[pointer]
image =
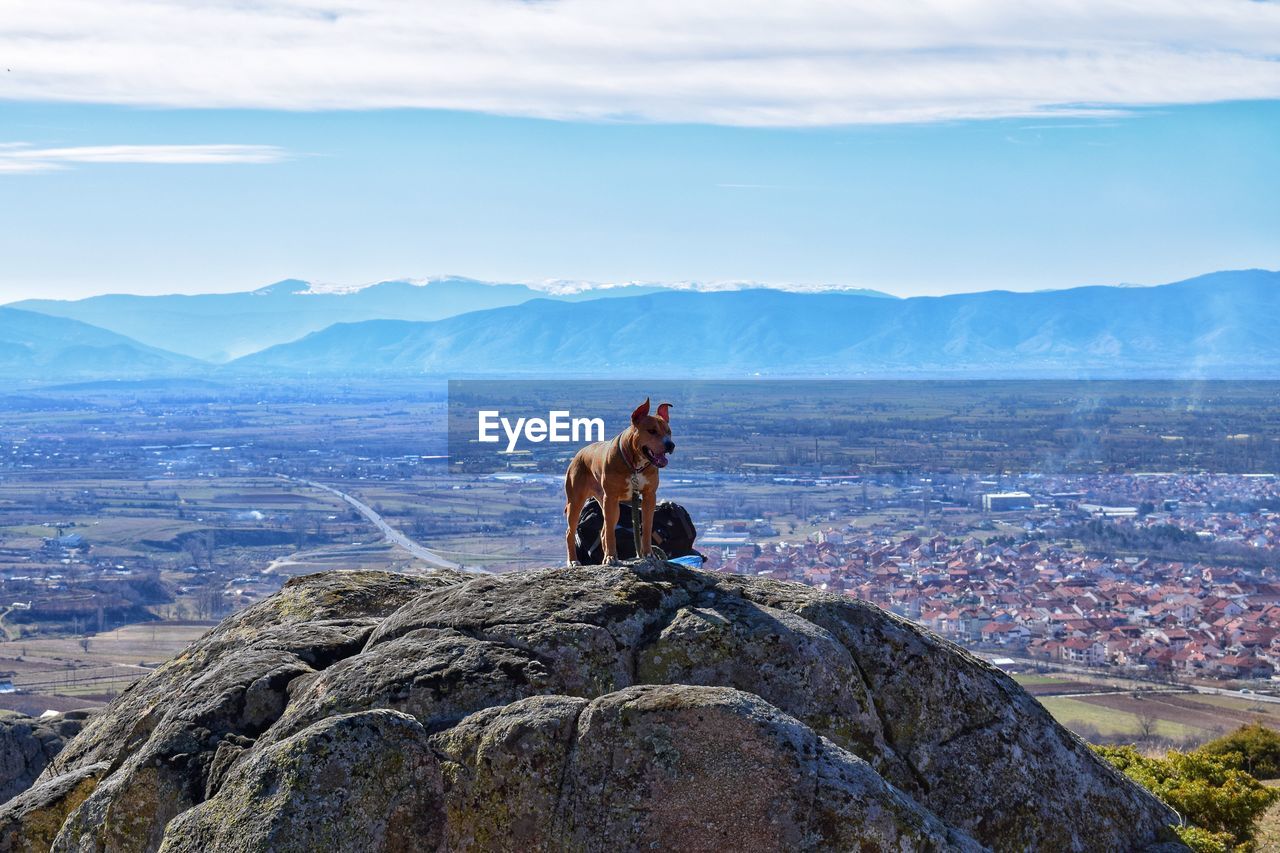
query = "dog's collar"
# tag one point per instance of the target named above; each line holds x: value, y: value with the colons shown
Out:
x: 627, y: 459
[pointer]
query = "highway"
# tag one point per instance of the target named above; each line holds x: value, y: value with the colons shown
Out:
x: 389, y: 533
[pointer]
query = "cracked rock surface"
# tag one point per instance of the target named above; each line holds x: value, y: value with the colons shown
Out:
x: 29, y: 744
x: 640, y: 706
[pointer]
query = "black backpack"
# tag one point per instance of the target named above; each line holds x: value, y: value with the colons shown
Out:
x: 673, y: 532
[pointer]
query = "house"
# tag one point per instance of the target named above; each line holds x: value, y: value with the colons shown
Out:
x: 1083, y: 651
x: 1005, y: 634
x: 1241, y: 666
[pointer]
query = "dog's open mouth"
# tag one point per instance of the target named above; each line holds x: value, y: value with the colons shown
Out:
x: 658, y: 458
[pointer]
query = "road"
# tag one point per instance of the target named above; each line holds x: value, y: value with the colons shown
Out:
x: 1219, y: 691
x: 389, y: 533
x: 1152, y: 692
x: 1100, y: 672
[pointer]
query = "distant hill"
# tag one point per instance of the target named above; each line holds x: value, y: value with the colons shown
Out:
x: 219, y: 327
x: 39, y: 347
x: 1218, y: 325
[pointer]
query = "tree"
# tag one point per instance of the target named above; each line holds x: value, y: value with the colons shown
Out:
x: 299, y: 531
x: 1257, y: 744
x: 1214, y: 793
x: 1147, y: 721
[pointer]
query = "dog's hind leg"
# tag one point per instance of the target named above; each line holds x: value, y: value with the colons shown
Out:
x: 572, y: 513
x: 647, y: 508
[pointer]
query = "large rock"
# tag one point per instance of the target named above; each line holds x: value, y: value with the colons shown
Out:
x: 658, y: 766
x: 32, y: 820
x: 171, y: 735
x: 590, y: 708
x: 366, y: 781
x: 29, y: 744
x: 713, y: 768
x: 984, y: 754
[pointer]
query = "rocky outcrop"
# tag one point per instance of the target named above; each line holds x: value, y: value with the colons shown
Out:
x: 581, y: 709
x: 662, y: 766
x: 366, y: 781
x: 28, y: 744
x: 32, y: 820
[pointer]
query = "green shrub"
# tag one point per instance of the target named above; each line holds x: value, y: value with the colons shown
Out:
x: 1259, y: 745
x: 1212, y: 792
x: 1204, y: 841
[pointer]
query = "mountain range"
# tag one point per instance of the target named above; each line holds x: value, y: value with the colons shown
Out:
x: 1219, y: 325
x: 219, y: 327
x: 39, y: 346
x: 1216, y: 325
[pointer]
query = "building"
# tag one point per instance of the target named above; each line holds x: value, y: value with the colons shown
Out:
x: 1100, y: 511
x: 1005, y: 501
x: 1083, y: 651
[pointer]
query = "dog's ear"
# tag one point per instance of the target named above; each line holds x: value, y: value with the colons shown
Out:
x: 642, y: 411
x: 664, y: 411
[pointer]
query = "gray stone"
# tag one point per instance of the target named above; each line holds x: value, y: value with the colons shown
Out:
x: 984, y: 754
x: 712, y: 768
x: 504, y: 772
x: 30, y: 821
x: 356, y: 782
x: 164, y: 736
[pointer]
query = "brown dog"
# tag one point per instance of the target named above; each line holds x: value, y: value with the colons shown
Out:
x: 613, y: 471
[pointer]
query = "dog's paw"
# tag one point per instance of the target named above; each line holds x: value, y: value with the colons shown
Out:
x: 572, y: 564
x: 611, y: 561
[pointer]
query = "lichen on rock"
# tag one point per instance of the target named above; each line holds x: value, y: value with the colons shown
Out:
x: 364, y: 781
x: 31, y: 821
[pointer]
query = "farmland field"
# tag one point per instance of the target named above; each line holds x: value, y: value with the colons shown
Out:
x: 61, y: 673
x: 1086, y: 719
x: 1183, y: 717
x: 1058, y: 685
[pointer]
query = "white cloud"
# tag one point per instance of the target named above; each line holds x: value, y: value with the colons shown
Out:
x: 748, y: 62
x: 20, y: 157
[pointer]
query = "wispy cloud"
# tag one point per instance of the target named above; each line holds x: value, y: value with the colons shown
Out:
x: 746, y: 62
x: 20, y: 157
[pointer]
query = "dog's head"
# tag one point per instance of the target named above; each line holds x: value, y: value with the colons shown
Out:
x: 652, y: 433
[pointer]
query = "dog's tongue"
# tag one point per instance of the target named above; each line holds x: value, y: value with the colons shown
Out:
x: 660, y: 459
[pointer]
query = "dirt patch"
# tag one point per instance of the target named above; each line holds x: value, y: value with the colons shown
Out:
x: 35, y: 704
x: 1064, y: 688
x: 1178, y: 709
x: 255, y: 499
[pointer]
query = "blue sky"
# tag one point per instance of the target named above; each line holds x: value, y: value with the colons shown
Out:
x: 112, y: 181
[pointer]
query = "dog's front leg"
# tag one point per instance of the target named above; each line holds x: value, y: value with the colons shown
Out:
x: 610, y: 529
x: 650, y: 500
